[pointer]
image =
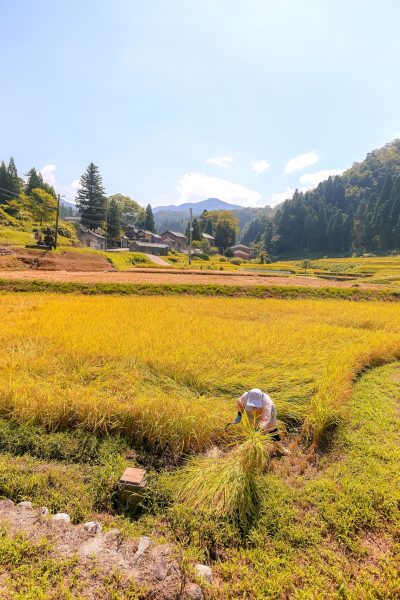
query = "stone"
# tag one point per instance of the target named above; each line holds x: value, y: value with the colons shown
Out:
x: 203, y: 571
x: 25, y: 504
x: 112, y: 534
x: 63, y: 517
x: 6, y: 503
x: 144, y: 543
x: 44, y: 511
x: 160, y: 568
x: 93, y: 527
x: 192, y: 591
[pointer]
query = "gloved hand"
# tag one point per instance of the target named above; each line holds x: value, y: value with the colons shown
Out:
x: 238, y: 418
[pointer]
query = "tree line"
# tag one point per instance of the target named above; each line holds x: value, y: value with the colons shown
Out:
x: 34, y: 200
x: 349, y: 214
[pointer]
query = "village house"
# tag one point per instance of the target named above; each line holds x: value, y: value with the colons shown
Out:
x: 174, y: 240
x: 241, y: 251
x: 91, y: 239
x: 149, y: 248
x: 142, y: 235
x: 209, y: 238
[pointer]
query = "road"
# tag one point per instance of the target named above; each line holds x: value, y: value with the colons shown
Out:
x: 157, y: 260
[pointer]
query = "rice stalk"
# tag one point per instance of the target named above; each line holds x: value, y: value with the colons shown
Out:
x: 227, y: 485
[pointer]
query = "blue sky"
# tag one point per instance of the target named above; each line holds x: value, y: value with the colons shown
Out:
x: 179, y: 100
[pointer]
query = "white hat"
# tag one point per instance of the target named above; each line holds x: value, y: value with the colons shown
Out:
x: 255, y: 398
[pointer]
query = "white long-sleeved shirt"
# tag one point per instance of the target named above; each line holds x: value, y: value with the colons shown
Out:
x: 264, y: 416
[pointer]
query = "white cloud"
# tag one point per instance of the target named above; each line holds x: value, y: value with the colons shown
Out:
x: 67, y: 191
x: 194, y: 187
x: 308, y: 181
x: 48, y: 174
x: 311, y: 180
x: 278, y: 197
x: 259, y: 166
x: 224, y: 162
x: 301, y: 162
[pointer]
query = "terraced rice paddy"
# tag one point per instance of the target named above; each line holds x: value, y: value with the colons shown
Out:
x: 82, y: 378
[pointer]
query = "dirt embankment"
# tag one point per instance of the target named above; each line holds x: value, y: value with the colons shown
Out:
x: 149, y: 565
x: 155, y: 276
x: 19, y: 259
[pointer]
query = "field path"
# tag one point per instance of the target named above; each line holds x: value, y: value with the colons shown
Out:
x: 157, y: 260
x: 158, y: 276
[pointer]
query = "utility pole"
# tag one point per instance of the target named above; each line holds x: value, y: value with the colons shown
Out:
x: 57, y: 219
x: 105, y: 229
x: 190, y: 236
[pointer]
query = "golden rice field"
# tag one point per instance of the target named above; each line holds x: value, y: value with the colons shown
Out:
x: 166, y: 371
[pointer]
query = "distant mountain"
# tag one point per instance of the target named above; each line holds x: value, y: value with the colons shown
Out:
x: 68, y: 209
x: 68, y: 204
x: 199, y: 207
x: 177, y: 220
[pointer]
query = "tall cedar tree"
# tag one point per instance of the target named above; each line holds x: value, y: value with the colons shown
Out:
x: 149, y: 221
x: 14, y: 180
x: 114, y: 223
x: 5, y: 190
x: 10, y: 183
x: 196, y: 233
x: 35, y: 181
x: 209, y: 227
x: 91, y: 199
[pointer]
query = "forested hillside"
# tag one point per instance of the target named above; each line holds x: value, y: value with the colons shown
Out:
x: 354, y: 212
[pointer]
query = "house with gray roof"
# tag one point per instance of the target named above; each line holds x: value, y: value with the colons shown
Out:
x: 175, y: 240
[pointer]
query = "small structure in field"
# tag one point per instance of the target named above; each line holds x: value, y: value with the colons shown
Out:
x: 90, y: 238
x: 130, y: 486
x: 241, y: 251
x: 174, y: 240
x: 149, y: 248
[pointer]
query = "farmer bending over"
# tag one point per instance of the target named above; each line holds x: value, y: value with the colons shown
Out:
x: 261, y: 411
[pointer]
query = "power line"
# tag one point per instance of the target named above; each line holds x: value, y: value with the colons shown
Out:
x: 3, y: 190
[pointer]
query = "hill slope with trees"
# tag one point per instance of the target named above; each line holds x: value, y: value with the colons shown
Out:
x: 356, y: 212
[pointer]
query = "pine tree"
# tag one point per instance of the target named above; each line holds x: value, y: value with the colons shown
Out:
x: 91, y: 198
x: 149, y: 221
